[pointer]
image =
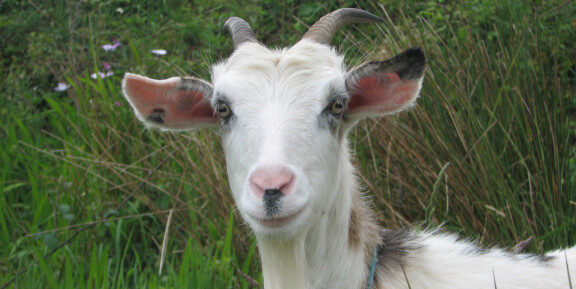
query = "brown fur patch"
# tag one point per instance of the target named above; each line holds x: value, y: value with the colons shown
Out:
x: 363, y: 232
x: 354, y: 230
x: 396, y: 246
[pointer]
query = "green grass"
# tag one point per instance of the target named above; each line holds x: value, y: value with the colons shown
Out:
x: 85, y: 190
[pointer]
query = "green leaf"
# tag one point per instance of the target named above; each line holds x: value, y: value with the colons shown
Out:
x: 12, y: 187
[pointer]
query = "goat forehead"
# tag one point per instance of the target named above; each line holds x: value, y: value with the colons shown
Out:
x: 305, y: 55
x: 255, y: 73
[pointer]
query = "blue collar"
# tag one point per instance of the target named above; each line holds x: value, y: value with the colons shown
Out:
x: 372, y: 269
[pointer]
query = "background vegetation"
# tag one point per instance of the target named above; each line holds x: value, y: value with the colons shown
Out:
x: 86, y: 191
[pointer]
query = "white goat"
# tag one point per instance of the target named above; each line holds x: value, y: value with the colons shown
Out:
x: 284, y: 116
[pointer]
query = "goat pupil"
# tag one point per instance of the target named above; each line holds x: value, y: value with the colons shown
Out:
x: 337, y: 106
x: 223, y: 110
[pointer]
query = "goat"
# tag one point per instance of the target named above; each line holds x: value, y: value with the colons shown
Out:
x: 284, y: 115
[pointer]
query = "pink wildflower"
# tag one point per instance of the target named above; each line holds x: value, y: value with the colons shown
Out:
x: 111, y: 47
x: 61, y: 86
x: 102, y: 75
x: 159, y: 51
x: 106, y: 65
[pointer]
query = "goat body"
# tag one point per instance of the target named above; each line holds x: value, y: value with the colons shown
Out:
x: 284, y: 116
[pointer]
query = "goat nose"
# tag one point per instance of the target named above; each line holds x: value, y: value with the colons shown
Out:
x: 272, y: 181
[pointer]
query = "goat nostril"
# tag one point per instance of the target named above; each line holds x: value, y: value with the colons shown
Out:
x: 271, y: 201
x: 272, y: 193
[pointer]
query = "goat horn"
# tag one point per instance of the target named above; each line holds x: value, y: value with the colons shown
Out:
x: 240, y: 31
x: 323, y: 31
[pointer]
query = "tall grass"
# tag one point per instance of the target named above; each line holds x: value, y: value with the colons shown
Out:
x: 85, y: 190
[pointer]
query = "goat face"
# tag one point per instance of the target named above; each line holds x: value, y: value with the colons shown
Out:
x: 283, y: 116
x: 282, y: 123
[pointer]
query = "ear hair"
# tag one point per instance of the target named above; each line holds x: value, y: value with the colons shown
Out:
x: 385, y: 87
x: 170, y: 104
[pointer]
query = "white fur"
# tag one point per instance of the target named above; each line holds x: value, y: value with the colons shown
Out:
x: 445, y: 262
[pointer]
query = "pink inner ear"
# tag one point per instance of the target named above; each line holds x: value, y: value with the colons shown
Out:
x: 164, y: 103
x: 384, y: 93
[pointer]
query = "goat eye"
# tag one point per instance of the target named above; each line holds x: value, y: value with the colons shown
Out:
x: 223, y: 110
x: 338, y: 106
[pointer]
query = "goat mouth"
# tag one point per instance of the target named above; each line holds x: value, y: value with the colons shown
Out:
x: 278, y: 221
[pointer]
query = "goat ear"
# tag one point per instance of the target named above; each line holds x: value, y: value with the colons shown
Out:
x: 175, y: 103
x: 385, y: 87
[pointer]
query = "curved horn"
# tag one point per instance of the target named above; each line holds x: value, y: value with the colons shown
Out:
x: 323, y: 31
x: 240, y: 31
